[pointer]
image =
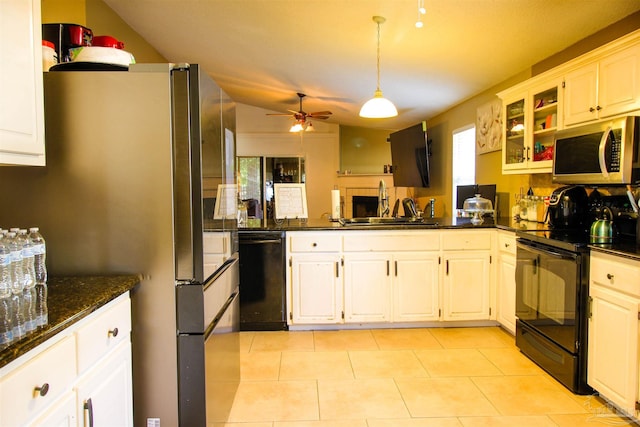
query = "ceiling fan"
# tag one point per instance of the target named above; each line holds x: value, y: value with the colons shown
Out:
x: 302, y: 118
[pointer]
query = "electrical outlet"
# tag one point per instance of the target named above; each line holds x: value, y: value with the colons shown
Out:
x: 153, y: 422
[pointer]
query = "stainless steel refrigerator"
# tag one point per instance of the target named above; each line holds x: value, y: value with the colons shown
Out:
x: 133, y: 157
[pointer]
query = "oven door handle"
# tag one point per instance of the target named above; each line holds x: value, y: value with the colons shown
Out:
x: 547, y: 252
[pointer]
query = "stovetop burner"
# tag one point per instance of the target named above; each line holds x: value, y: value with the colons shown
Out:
x: 567, y: 239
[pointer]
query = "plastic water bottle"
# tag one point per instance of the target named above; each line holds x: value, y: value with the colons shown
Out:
x: 5, y: 268
x: 6, y: 322
x: 29, y: 309
x: 17, y: 267
x: 42, y: 312
x: 18, y: 317
x: 39, y: 250
x: 27, y: 260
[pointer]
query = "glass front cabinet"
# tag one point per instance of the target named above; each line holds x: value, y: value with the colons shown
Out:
x: 531, y: 119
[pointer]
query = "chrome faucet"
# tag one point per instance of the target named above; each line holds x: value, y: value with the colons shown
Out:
x: 383, y: 200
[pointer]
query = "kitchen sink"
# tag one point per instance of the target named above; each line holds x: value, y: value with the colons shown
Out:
x: 374, y: 220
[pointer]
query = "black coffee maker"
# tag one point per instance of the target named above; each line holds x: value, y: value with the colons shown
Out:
x: 568, y: 208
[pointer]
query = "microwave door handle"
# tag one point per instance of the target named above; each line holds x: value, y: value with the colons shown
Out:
x: 601, y: 149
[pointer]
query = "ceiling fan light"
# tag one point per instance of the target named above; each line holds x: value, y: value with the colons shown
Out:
x: 419, y: 24
x: 297, y: 127
x: 310, y: 128
x: 378, y: 107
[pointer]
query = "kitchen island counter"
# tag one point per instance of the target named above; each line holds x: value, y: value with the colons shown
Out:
x: 69, y: 300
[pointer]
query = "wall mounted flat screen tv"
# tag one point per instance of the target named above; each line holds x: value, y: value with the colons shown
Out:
x: 410, y: 150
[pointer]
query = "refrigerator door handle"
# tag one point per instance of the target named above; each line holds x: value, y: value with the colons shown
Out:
x: 187, y: 181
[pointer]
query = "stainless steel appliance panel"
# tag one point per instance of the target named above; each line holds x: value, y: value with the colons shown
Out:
x: 208, y: 347
x: 605, y: 152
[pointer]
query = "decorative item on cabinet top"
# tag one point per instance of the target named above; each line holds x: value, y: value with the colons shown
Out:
x: 489, y: 127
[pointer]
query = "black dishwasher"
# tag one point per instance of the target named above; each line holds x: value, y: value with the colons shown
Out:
x: 262, y: 280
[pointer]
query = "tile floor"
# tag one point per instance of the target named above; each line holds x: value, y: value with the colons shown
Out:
x: 440, y: 377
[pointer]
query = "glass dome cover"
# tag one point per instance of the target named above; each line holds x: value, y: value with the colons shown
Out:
x: 478, y: 206
x: 477, y: 203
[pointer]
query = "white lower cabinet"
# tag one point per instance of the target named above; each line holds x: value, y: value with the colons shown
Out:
x: 390, y: 276
x: 104, y: 393
x: 506, y: 286
x: 316, y: 288
x: 415, y: 286
x: 49, y: 385
x: 612, y: 367
x: 466, y: 286
x: 61, y: 414
x: 33, y: 389
x: 367, y: 287
x: 466, y: 290
x: 391, y: 287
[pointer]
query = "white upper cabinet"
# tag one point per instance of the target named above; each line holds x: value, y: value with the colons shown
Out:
x: 531, y: 120
x: 22, y: 101
x: 607, y: 87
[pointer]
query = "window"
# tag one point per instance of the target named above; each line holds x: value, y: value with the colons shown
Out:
x: 464, y: 160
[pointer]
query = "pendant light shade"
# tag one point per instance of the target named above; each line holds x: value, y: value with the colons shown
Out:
x: 378, y: 107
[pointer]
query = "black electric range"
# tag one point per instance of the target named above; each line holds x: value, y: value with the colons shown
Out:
x: 552, y: 290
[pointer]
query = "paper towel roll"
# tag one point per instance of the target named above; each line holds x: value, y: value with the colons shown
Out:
x: 335, y: 204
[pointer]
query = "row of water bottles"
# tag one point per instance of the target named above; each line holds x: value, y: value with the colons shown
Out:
x: 23, y: 283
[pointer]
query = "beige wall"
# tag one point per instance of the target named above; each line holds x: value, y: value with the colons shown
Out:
x: 364, y: 150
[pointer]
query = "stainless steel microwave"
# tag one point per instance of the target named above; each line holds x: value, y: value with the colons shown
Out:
x: 605, y: 152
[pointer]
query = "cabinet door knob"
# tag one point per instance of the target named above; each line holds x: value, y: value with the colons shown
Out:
x: 42, y: 390
x: 591, y: 109
x: 314, y: 244
x: 113, y: 332
x: 598, y: 108
x: 609, y: 276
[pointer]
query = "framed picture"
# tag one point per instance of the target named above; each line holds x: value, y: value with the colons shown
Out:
x: 226, y: 201
x: 489, y: 127
x: 291, y: 201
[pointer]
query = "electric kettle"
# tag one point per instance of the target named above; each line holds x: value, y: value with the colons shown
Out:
x: 603, y: 229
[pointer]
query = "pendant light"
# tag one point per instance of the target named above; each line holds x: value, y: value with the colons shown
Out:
x: 378, y: 107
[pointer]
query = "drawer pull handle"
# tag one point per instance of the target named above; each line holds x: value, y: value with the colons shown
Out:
x: 609, y: 276
x: 88, y: 407
x: 42, y: 390
x: 113, y: 332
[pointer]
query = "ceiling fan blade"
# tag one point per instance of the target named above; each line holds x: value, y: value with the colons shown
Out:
x: 320, y: 113
x: 318, y: 117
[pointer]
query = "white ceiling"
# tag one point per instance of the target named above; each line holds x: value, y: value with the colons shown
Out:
x: 264, y: 51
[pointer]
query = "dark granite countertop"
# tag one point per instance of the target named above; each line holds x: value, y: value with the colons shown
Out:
x: 428, y: 224
x: 627, y: 249
x: 622, y: 248
x: 69, y: 300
